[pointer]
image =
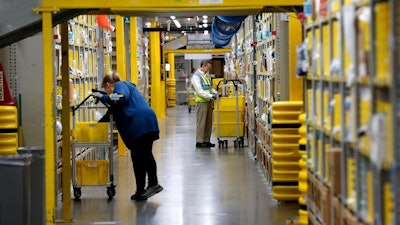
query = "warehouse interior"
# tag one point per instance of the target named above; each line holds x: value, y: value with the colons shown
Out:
x: 306, y: 126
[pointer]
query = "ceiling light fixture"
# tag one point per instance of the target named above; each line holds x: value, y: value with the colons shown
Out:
x: 205, y: 21
x: 173, y: 17
x: 177, y: 23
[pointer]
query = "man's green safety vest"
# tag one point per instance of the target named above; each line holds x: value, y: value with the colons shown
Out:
x: 205, y: 82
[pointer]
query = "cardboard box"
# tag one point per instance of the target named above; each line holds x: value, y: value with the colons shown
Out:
x: 337, y: 210
x: 334, y: 169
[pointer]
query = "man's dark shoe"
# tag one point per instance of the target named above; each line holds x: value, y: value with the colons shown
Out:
x: 209, y: 144
x: 201, y: 145
x: 140, y: 196
x: 153, y: 190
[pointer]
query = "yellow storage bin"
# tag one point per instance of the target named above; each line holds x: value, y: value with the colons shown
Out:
x: 91, y: 132
x: 284, y: 176
x: 8, y: 117
x: 228, y: 129
x: 229, y: 116
x: 191, y: 101
x: 285, y: 131
x: 229, y: 103
x: 303, y: 217
x: 92, y: 172
x: 8, y: 143
x: 287, y: 105
x: 286, y: 193
x: 282, y: 138
x: 215, y: 82
x: 286, y: 115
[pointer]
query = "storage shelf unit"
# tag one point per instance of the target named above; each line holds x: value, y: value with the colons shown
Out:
x: 89, y: 57
x: 260, y: 58
x: 352, y: 104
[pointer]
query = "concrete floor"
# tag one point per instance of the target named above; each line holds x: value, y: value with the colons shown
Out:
x: 208, y: 186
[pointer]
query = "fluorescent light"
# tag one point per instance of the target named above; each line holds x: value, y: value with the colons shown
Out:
x: 205, y: 17
x: 205, y: 32
x: 205, y: 21
x: 177, y: 23
x: 173, y: 17
x: 205, y: 25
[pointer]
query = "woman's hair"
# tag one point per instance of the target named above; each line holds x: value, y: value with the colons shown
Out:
x: 113, y: 78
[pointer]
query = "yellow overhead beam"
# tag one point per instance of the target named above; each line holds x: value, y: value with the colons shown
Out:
x: 222, y: 7
x: 198, y: 51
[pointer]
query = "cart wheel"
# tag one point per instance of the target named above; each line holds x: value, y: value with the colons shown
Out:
x: 235, y: 143
x: 221, y: 143
x: 77, y: 193
x: 110, y: 192
x: 226, y: 143
x: 190, y: 109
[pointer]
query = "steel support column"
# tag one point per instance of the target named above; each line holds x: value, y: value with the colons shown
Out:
x: 155, y: 74
x: 121, y: 66
x: 49, y: 116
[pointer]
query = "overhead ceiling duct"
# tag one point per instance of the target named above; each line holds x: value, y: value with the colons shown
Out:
x: 223, y: 29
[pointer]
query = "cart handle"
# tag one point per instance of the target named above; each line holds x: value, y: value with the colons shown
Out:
x: 234, y: 82
x: 74, y: 108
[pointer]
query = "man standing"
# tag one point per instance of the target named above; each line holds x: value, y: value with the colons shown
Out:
x: 203, y: 96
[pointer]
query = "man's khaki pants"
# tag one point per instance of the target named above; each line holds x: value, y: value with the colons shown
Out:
x: 204, y: 112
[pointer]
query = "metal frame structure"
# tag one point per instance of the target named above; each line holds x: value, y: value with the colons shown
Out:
x: 54, y: 12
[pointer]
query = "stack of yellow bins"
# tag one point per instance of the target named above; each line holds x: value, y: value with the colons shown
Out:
x: 284, y: 147
x: 303, y: 215
x: 9, y: 130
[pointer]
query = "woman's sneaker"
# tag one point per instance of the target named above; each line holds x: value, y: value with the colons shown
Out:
x: 140, y: 196
x: 153, y: 190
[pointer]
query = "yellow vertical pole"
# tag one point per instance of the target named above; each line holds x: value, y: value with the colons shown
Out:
x: 155, y: 73
x: 49, y: 116
x: 163, y: 86
x: 66, y: 145
x: 121, y: 66
x: 163, y: 99
x: 171, y: 61
x: 295, y: 38
x: 133, y: 52
x: 171, y: 79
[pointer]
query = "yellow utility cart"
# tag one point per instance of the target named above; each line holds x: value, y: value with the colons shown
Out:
x: 92, y: 150
x: 229, y: 113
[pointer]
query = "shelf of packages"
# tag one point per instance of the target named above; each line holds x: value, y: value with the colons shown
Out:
x: 319, y: 22
x: 326, y: 78
x: 75, y: 77
x: 379, y: 82
x: 263, y: 134
x: 365, y: 150
x: 266, y: 100
x: 364, y: 80
x: 85, y: 19
x: 92, y: 47
x: 322, y: 129
x: 266, y: 42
